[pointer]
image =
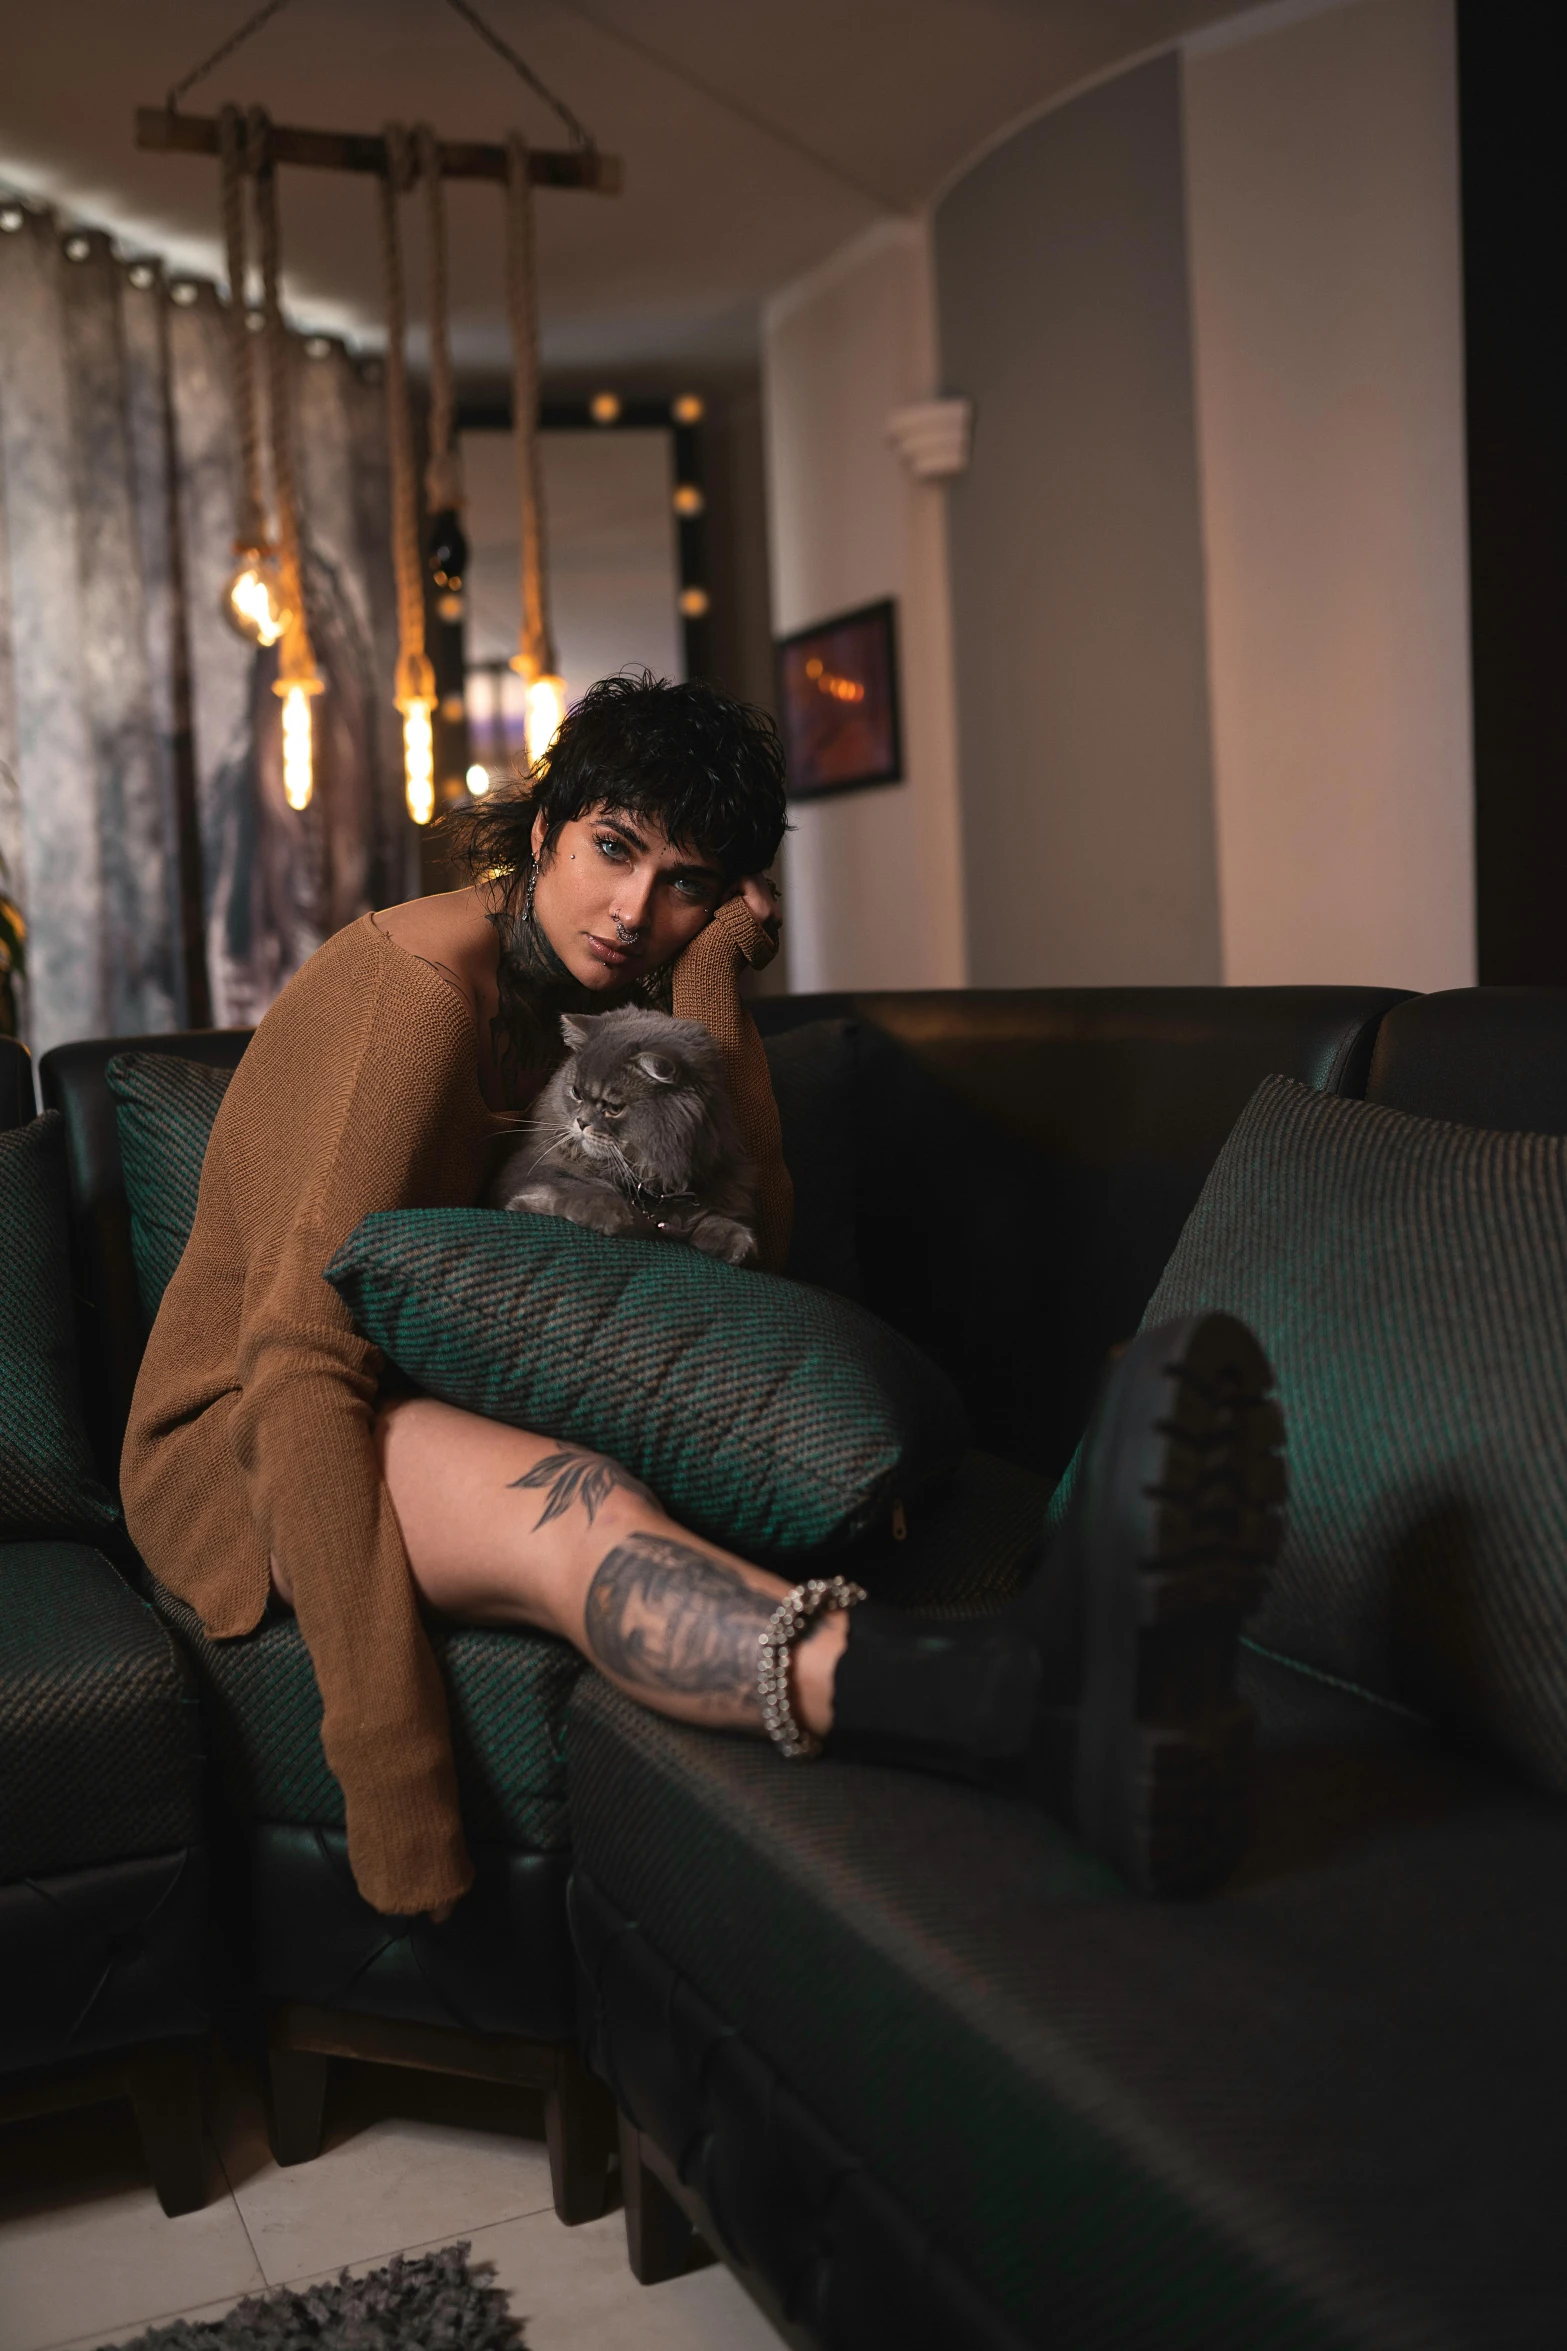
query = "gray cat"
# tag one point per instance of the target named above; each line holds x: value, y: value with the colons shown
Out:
x: 635, y: 1133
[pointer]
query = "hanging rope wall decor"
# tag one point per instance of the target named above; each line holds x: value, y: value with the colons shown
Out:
x: 265, y: 598
x: 534, y: 659
x: 446, y: 547
x: 297, y: 677
x: 415, y: 678
x: 252, y: 601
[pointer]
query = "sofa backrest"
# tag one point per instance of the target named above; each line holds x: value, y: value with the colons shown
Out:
x: 1482, y: 1057
x: 16, y: 1084
x: 1026, y: 1160
x: 110, y: 1332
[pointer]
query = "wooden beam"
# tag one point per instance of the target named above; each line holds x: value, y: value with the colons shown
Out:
x: 168, y: 133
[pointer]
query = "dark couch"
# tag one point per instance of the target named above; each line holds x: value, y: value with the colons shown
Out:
x: 923, y: 2073
x: 918, y: 2069
x: 103, y: 1866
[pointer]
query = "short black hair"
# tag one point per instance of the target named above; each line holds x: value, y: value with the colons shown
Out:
x: 708, y: 769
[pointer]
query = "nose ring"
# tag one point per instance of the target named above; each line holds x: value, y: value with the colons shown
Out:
x: 625, y: 932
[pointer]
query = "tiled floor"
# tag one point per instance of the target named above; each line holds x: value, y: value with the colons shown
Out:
x: 410, y: 2162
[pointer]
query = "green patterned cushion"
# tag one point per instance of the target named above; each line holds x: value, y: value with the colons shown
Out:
x: 774, y: 1417
x: 507, y: 1692
x: 1409, y: 1281
x: 47, y: 1482
x: 164, y: 1109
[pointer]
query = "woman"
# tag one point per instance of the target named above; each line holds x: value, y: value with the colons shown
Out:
x: 260, y: 1458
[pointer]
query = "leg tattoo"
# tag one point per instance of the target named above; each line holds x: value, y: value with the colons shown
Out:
x: 665, y: 1616
x: 576, y: 1476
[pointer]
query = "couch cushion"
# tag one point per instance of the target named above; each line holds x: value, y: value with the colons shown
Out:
x: 47, y: 1481
x: 100, y: 1750
x: 1323, y: 2109
x: 762, y: 1412
x: 507, y: 1692
x: 164, y: 1109
x: 1409, y: 1281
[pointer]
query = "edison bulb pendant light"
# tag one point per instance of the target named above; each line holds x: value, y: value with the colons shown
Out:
x: 546, y: 707
x: 253, y: 602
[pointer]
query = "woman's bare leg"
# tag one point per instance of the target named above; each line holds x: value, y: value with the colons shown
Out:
x: 503, y: 1527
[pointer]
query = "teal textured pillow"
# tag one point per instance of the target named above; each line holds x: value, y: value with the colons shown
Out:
x: 773, y: 1417
x: 1408, y: 1279
x: 47, y: 1482
x: 164, y: 1109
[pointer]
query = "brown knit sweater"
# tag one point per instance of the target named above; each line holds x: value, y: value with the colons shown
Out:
x: 252, y: 1429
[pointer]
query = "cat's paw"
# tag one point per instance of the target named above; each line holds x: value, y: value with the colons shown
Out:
x: 597, y: 1212
x: 721, y: 1236
x: 532, y: 1200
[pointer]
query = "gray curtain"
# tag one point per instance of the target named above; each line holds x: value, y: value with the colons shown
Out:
x: 143, y: 825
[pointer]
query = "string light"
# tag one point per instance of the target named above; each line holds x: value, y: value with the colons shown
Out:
x: 418, y: 759
x: 478, y: 780
x: 298, y: 773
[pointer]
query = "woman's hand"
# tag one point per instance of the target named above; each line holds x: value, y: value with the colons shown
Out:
x: 763, y: 899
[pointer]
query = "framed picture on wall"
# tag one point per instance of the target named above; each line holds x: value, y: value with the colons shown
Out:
x: 838, y: 703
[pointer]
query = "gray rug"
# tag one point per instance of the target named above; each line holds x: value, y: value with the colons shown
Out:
x: 434, y: 2302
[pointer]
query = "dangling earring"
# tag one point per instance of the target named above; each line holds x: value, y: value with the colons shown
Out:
x: 527, y: 901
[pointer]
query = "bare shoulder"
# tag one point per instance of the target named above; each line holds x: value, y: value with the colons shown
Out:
x: 449, y: 932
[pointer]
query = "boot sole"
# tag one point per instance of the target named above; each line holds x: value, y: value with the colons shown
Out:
x: 1191, y: 1480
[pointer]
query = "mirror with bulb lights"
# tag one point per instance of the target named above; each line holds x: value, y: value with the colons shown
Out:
x: 625, y: 504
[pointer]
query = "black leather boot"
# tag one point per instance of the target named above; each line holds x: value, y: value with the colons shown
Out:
x: 1107, y: 1691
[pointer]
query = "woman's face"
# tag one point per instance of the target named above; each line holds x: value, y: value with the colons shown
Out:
x: 616, y: 898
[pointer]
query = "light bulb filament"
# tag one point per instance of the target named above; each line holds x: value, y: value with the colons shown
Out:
x: 546, y: 707
x: 298, y: 779
x: 418, y: 761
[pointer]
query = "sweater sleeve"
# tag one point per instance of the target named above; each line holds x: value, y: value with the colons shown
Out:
x: 706, y: 987
x: 364, y: 1132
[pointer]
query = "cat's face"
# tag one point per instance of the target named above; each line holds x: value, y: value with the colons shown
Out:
x: 634, y: 1093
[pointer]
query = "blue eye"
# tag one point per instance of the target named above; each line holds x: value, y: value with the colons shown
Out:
x: 609, y: 845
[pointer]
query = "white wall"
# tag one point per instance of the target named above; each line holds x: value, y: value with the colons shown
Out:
x: 1076, y: 551
x: 873, y: 879
x: 1323, y: 228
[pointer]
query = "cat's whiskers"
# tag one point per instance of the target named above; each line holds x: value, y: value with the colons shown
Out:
x: 559, y: 1144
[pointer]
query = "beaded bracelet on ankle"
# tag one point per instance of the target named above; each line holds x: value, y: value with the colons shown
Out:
x: 789, y: 1619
